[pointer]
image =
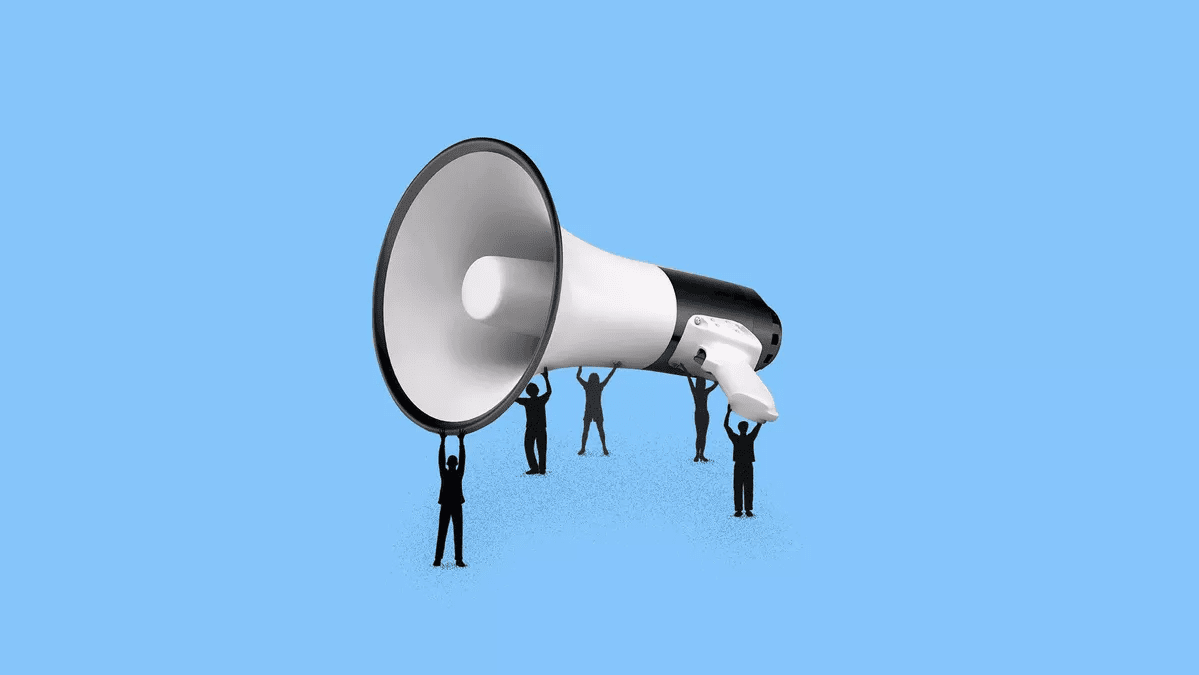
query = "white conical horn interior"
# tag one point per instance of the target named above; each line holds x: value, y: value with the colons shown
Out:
x: 451, y: 366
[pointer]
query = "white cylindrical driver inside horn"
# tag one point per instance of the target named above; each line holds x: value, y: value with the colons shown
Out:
x: 509, y: 293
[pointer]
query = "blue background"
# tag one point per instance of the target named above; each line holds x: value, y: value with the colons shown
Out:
x: 978, y: 226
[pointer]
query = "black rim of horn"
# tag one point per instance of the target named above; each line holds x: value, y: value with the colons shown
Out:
x: 446, y: 156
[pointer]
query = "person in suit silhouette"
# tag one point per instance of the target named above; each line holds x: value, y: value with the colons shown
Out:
x: 593, y: 411
x: 700, y: 393
x: 534, y: 407
x: 451, y: 499
x: 743, y: 463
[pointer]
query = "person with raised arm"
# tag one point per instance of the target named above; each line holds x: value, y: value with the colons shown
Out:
x: 593, y: 411
x: 743, y: 463
x: 535, y: 433
x: 451, y: 499
x: 700, y: 393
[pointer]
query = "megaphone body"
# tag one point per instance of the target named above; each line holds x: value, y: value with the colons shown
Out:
x: 478, y: 289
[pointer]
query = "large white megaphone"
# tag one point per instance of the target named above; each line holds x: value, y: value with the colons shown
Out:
x: 478, y: 288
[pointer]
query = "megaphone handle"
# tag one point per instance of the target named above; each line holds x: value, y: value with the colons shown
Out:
x: 746, y: 392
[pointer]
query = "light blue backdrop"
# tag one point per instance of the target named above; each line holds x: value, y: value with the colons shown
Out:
x: 977, y: 225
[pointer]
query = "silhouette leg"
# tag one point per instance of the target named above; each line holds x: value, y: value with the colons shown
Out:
x: 530, y: 435
x: 738, y: 481
x: 599, y: 424
x: 701, y: 436
x: 541, y: 439
x: 457, y: 516
x: 586, y: 424
x: 443, y: 523
x: 749, y: 488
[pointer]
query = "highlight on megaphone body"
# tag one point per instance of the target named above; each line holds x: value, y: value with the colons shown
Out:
x: 478, y: 289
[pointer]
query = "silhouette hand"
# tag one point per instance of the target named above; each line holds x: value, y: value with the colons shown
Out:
x: 443, y: 434
x: 616, y: 365
x: 461, y: 433
x: 730, y: 407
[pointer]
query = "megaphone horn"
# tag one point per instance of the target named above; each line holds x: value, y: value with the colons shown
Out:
x: 478, y: 288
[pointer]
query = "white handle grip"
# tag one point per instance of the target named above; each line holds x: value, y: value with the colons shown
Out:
x: 746, y: 392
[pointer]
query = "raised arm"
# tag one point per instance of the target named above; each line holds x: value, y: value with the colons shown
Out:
x: 687, y: 375
x: 462, y: 452
x: 548, y: 389
x: 727, y: 429
x: 441, y: 456
x: 714, y: 385
x: 579, y: 376
x: 754, y: 434
x: 614, y: 367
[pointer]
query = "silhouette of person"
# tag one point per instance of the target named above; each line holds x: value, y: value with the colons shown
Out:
x: 700, y: 393
x: 743, y: 464
x: 534, y: 407
x: 451, y: 499
x: 593, y: 411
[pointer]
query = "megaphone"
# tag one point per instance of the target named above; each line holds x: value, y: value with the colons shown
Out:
x: 478, y: 288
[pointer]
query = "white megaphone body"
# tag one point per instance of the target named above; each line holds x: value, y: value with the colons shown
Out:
x: 478, y: 289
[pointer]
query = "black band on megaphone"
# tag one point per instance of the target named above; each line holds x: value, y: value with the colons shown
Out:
x: 695, y: 294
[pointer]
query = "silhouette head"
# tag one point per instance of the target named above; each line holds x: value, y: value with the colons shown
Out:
x: 699, y: 382
x: 452, y: 462
x: 532, y: 389
x: 743, y: 426
x: 593, y: 378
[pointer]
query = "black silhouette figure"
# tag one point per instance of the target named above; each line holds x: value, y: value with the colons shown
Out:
x: 451, y: 499
x: 593, y: 411
x: 535, y: 423
x: 700, y: 393
x: 743, y: 464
